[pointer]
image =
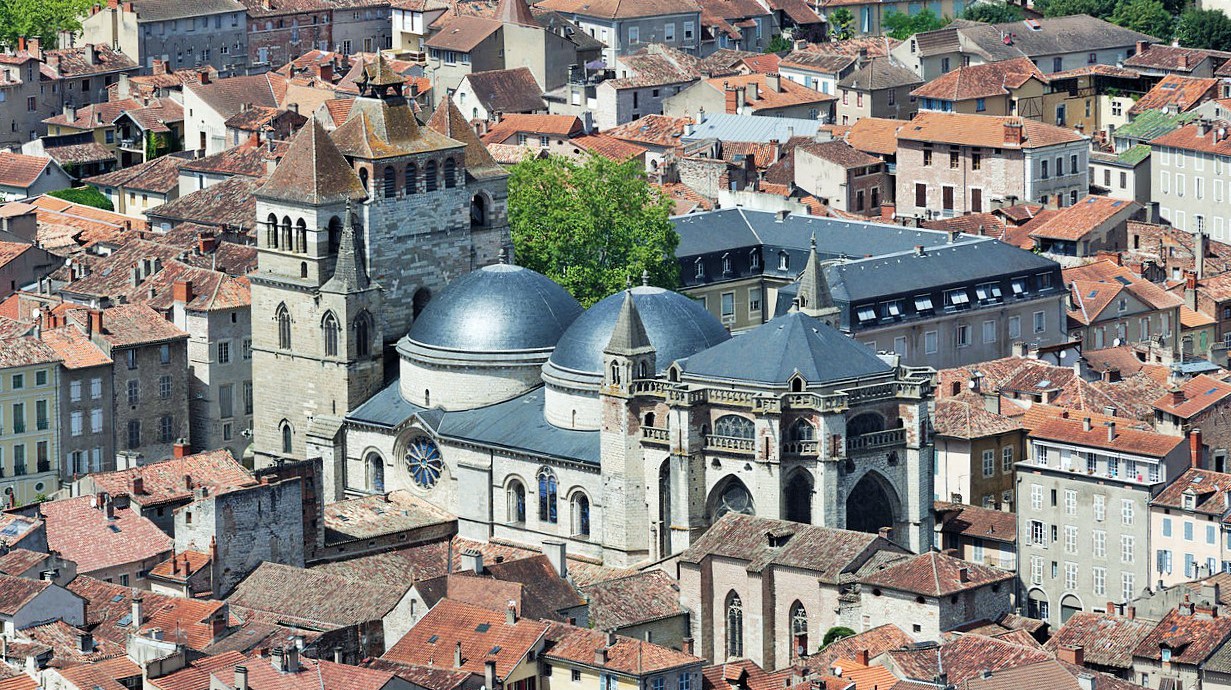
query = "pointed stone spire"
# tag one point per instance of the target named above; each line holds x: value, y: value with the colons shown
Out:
x: 629, y: 336
x: 349, y: 274
x: 515, y: 12
x: 645, y: 277
x: 815, y: 298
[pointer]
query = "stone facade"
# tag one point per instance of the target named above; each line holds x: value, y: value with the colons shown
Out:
x: 243, y: 528
x: 84, y: 396
x: 152, y: 420
x: 182, y: 38
x: 276, y: 36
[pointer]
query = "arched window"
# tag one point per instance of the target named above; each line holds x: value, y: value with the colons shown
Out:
x: 643, y: 369
x: 450, y: 173
x: 733, y: 497
x: 412, y: 174
x: 516, y: 497
x: 734, y: 426
x: 735, y: 626
x: 335, y: 234
x: 615, y: 373
x: 797, y: 385
x: 429, y: 176
x: 726, y: 264
x: 363, y: 178
x: 478, y: 211
x: 802, y: 430
x: 799, y: 630
x: 427, y: 397
x: 391, y: 181
x: 287, y: 437
x: 784, y: 261
x: 301, y: 235
x: 581, y: 515
x: 649, y: 419
x: 287, y: 240
x: 547, y: 496
x: 363, y: 335
x: 284, y: 327
x: 376, y: 473
x: 699, y: 265
x: 303, y: 269
x: 271, y: 231
x: 330, y: 326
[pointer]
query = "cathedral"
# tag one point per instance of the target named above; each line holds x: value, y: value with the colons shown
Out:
x: 622, y: 431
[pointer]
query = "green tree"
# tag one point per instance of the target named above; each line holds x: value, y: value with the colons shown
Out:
x: 903, y: 26
x: 993, y: 12
x: 591, y: 226
x: 1147, y: 16
x: 42, y: 19
x: 1063, y: 8
x: 86, y: 196
x: 1204, y: 29
x: 843, y: 23
x: 778, y: 44
x: 834, y: 634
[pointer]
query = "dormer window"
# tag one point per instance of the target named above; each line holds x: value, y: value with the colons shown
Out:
x: 726, y: 264
x: 1190, y: 502
x: 784, y: 261
x: 700, y: 266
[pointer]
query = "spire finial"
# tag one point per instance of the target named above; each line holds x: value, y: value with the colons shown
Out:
x: 628, y: 282
x: 504, y: 256
x: 813, y: 240
x: 645, y: 277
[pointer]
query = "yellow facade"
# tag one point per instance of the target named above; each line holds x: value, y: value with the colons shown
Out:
x: 29, y: 420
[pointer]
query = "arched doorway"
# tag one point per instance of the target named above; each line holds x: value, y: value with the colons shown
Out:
x: 798, y: 494
x: 420, y: 300
x: 478, y: 211
x: 730, y: 496
x: 1037, y: 606
x: 871, y: 505
x: 1069, y: 605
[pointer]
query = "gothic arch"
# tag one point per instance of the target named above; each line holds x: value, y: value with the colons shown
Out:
x: 391, y: 182
x: 283, y: 316
x: 301, y: 236
x: 412, y: 175
x: 579, y: 513
x: 799, y: 629
x: 478, y: 210
x: 871, y: 504
x: 374, y: 467
x: 287, y: 432
x: 797, y: 495
x: 271, y: 231
x: 549, y: 492
x: 287, y: 241
x: 864, y: 423
x: 335, y: 234
x: 429, y: 176
x: 733, y: 610
x: 729, y: 496
x: 363, y: 334
x: 735, y: 426
x: 802, y: 430
x: 1038, y: 604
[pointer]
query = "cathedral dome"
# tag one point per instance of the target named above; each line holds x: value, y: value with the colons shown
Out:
x: 499, y: 308
x: 678, y: 327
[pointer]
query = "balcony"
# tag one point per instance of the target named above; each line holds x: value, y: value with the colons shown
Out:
x: 44, y: 466
x: 876, y: 439
x: 131, y: 144
x: 801, y: 448
x: 19, y: 469
x: 730, y: 444
x: 655, y: 435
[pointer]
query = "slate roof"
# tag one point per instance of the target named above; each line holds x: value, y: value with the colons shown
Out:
x: 935, y: 575
x: 880, y: 73
x: 518, y: 424
x: 82, y: 533
x: 162, y: 10
x: 830, y: 553
x: 981, y: 81
x: 313, y: 171
x: 627, y: 656
x: 1078, y: 33
x: 508, y: 90
x: 976, y: 38
x: 166, y: 482
x: 160, y: 175
x: 291, y: 593
x: 645, y: 597
x: 794, y: 343
x: 483, y: 634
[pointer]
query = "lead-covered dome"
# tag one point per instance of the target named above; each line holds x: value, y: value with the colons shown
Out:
x: 678, y: 327
x: 500, y: 308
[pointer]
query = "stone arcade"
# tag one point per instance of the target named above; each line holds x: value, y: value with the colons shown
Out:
x: 625, y: 430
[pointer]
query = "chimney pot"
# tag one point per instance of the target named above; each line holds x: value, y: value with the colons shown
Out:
x: 510, y: 613
x: 241, y: 678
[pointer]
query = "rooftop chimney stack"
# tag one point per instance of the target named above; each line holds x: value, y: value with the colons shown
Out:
x: 241, y: 678
x: 457, y: 656
x: 1013, y: 133
x: 1111, y: 431
x: 1195, y: 448
x: 137, y: 618
x: 557, y: 552
x: 472, y: 560
x: 510, y: 613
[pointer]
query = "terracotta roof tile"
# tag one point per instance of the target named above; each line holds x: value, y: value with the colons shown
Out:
x: 104, y: 675
x: 312, y: 675
x: 161, y: 176
x: 1087, y: 215
x: 653, y: 130
x: 22, y: 351
x: 1208, y: 486
x: 16, y: 592
x: 508, y: 90
x: 84, y: 534
x: 167, y: 481
x: 742, y: 673
x: 1192, y: 637
x: 511, y: 125
x: 1196, y: 395
x: 962, y: 658
x: 313, y: 171
x: 17, y: 561
x: 229, y: 96
x: 426, y: 677
x: 480, y: 632
x: 976, y: 522
x: 1174, y: 58
x: 1190, y: 138
x: 1177, y: 93
x: 136, y: 324
x: 981, y: 81
x: 982, y: 130
x: 621, y: 9
x: 875, y: 135
x: 839, y: 153
x: 628, y: 655
x: 788, y: 93
x: 180, y: 566
x: 936, y: 575
x: 311, y: 595
x: 1131, y: 441
x: 462, y: 33
x: 19, y: 170
x: 228, y: 204
x: 647, y: 596
x: 969, y: 419
x: 74, y: 348
x: 876, y: 641
x: 245, y: 159
x: 608, y: 147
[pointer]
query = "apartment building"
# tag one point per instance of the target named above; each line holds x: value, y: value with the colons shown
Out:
x: 29, y: 405
x: 1056, y: 44
x: 86, y: 430
x: 1188, y: 177
x: 361, y: 26
x: 1109, y: 306
x: 841, y: 176
x: 976, y: 449
x: 980, y: 535
x: 624, y: 26
x: 181, y: 34
x: 960, y: 44
x: 1083, y: 494
x: 279, y: 33
x: 879, y: 88
x: 1188, y: 533
x: 1008, y: 87
x: 950, y: 164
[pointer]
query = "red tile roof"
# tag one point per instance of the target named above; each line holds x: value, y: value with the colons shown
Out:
x: 19, y: 170
x: 179, y: 567
x: 84, y: 534
x: 74, y: 348
x: 875, y: 135
x: 290, y: 593
x: 788, y: 93
x: 1192, y: 637
x: 515, y: 123
x: 983, y: 130
x: 876, y: 641
x: 1190, y: 138
x: 1209, y: 488
x: 976, y: 522
x: 1180, y: 94
x: 630, y: 656
x: 654, y: 130
x: 1195, y: 396
x: 936, y: 575
x: 961, y: 658
x: 16, y: 592
x: 609, y: 147
x: 621, y: 9
x: 480, y: 632
x: 1087, y: 215
x: 313, y: 674
x: 186, y: 621
x: 981, y: 81
x: 137, y: 324
x: 1146, y: 443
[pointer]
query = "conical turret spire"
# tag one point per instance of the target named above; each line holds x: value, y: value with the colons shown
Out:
x: 349, y: 274
x: 814, y: 296
x: 629, y: 336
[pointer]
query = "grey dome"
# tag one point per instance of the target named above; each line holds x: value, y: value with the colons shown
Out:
x: 678, y: 328
x: 498, y: 308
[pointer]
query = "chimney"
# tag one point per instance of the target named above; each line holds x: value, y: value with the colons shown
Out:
x: 773, y: 82
x: 70, y: 112
x: 861, y: 657
x: 96, y: 321
x: 489, y: 673
x: 1203, y: 127
x: 277, y: 660
x: 686, y: 645
x: 1142, y: 47
x: 181, y: 292
x: 241, y: 678
x: 510, y: 613
x: 136, y: 610
x: 188, y: 482
x: 203, y: 76
x: 1086, y: 424
x: 32, y: 45
x: 1013, y: 133
x: 1130, y: 612
x: 753, y: 91
x: 472, y: 560
x: 85, y: 642
x: 600, y: 656
x: 457, y: 655
x: 731, y: 97
x: 326, y: 73
x: 1111, y: 431
x: 206, y: 244
x: 180, y: 450
x: 1072, y: 654
x: 963, y: 574
x: 292, y: 659
x: 1194, y: 448
x: 1200, y: 249
x: 885, y: 532
x: 918, y: 250
x: 1087, y: 681
x: 557, y: 553
x: 138, y: 485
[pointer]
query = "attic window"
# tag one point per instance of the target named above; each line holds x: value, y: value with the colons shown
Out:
x: 923, y: 303
x: 866, y: 313
x: 482, y: 627
x: 1019, y: 286
x: 1190, y: 501
x: 432, y: 639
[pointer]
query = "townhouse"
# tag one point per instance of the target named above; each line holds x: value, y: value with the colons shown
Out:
x: 960, y: 44
x: 1008, y: 87
x: 751, y: 94
x: 86, y: 436
x: 1109, y: 305
x: 879, y: 88
x: 182, y: 35
x: 624, y: 27
x: 29, y: 417
x: 840, y: 176
x: 105, y: 538
x: 979, y: 535
x: 950, y: 164
x: 1189, y: 529
x: 1188, y: 172
x: 1094, y: 224
x: 1195, y: 408
x: 1056, y: 44
x: 976, y: 449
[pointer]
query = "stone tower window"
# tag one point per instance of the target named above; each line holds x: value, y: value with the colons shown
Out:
x: 581, y: 515
x: 734, y: 426
x: 284, y: 327
x: 363, y: 335
x: 391, y: 182
x: 271, y: 231
x: 799, y: 629
x: 735, y: 626
x: 330, y: 326
x: 450, y: 173
x: 412, y: 173
x: 429, y: 175
x: 301, y: 236
x: 516, y: 499
x: 287, y: 437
